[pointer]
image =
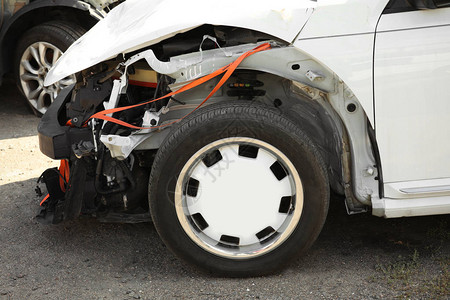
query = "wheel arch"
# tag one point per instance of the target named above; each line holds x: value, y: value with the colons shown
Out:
x: 318, y: 120
x: 37, y: 13
x: 310, y: 112
x: 323, y: 99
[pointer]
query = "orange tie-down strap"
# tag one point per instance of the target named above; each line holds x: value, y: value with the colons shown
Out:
x: 65, y: 172
x: 228, y: 70
x: 63, y: 179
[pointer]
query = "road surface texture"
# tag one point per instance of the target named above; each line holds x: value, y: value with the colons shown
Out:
x: 355, y: 257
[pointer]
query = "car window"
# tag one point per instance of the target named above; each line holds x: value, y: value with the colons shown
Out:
x: 396, y: 6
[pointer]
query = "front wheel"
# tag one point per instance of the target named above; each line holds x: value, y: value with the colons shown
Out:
x: 238, y: 190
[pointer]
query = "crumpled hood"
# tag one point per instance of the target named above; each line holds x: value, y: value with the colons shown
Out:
x: 138, y: 23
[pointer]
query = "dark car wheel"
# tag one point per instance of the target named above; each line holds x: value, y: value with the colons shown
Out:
x: 37, y: 51
x: 238, y: 190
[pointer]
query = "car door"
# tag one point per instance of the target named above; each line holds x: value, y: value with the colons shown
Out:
x: 412, y: 100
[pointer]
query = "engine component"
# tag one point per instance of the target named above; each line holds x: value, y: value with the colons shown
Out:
x: 244, y: 87
x: 86, y: 97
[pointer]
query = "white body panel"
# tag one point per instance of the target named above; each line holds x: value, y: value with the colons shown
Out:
x: 138, y: 23
x: 395, y: 208
x: 341, y: 37
x: 412, y: 97
x: 350, y: 57
x: 418, y: 189
x: 343, y: 17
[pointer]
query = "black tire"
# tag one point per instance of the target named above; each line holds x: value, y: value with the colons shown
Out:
x: 242, y: 119
x: 56, y: 33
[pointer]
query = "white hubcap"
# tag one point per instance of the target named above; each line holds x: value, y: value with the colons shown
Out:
x: 239, y: 197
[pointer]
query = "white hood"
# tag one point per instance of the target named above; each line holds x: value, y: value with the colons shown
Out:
x: 138, y: 23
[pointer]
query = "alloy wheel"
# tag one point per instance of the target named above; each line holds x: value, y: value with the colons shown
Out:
x: 35, y: 64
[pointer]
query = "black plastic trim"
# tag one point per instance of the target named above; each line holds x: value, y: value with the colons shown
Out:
x: 55, y: 140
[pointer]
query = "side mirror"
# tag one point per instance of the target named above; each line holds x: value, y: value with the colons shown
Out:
x: 424, y: 4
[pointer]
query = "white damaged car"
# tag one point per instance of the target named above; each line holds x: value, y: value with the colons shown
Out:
x: 261, y: 110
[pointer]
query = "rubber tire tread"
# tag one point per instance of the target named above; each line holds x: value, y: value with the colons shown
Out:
x: 269, y: 263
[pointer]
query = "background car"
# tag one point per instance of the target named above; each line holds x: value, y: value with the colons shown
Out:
x: 34, y: 34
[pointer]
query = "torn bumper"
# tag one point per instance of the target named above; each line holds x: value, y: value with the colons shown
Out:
x: 56, y: 140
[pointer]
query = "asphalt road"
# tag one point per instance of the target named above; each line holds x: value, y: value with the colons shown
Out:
x: 355, y: 257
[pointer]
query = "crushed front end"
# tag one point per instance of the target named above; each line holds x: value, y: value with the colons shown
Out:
x: 92, y: 182
x: 107, y: 128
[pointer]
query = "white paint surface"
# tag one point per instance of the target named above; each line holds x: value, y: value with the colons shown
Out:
x: 138, y: 23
